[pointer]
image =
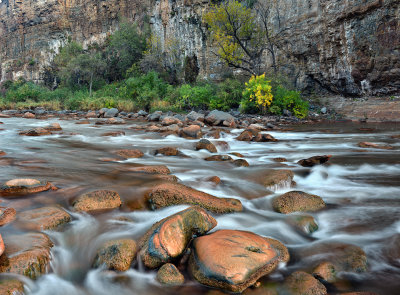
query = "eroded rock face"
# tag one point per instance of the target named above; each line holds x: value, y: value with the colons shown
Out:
x: 167, y: 239
x: 168, y: 194
x: 234, y: 260
x: 44, y: 218
x: 169, y: 275
x: 22, y: 186
x: 116, y: 254
x: 27, y: 254
x: 297, y: 201
x: 97, y: 200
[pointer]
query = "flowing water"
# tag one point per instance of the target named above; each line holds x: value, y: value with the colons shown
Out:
x: 360, y: 186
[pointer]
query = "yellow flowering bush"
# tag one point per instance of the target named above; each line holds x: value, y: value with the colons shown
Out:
x: 259, y: 91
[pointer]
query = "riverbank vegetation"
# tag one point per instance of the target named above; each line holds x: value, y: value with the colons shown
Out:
x: 132, y: 71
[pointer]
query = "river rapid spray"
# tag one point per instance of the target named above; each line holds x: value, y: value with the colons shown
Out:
x: 362, y: 190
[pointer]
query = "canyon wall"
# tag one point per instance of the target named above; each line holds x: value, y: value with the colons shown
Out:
x: 349, y: 47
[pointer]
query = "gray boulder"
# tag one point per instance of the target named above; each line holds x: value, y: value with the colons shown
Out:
x: 217, y: 117
x: 111, y: 113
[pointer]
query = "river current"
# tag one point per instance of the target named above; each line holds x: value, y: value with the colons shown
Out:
x: 361, y: 188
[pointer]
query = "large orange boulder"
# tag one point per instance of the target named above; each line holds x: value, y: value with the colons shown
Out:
x: 24, y: 186
x: 234, y: 260
x: 297, y: 201
x: 168, y: 194
x: 116, y: 254
x: 27, y: 254
x: 303, y: 283
x: 7, y: 215
x: 168, y: 239
x: 97, y: 200
x: 45, y: 218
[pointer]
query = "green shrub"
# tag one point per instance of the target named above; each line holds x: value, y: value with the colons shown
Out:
x: 290, y: 100
x: 229, y: 95
x: 189, y: 97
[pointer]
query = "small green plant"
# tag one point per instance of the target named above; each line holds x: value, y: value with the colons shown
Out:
x: 259, y: 90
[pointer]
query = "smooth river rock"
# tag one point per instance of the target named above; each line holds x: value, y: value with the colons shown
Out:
x: 27, y: 254
x: 316, y: 160
x: 168, y: 194
x: 24, y: 186
x: 297, y: 201
x: 45, y: 218
x: 116, y: 254
x: 97, y: 200
x: 302, y: 283
x: 128, y: 154
x: 7, y: 215
x: 38, y: 131
x: 234, y: 260
x: 206, y: 145
x: 167, y: 240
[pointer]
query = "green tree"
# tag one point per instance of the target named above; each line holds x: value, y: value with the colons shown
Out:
x: 124, y: 48
x: 238, y: 35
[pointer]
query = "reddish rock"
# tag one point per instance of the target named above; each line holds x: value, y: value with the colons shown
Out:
x: 82, y: 122
x: 168, y: 239
x: 325, y: 271
x: 35, y: 132
x: 206, y: 145
x: 216, y: 134
x: 280, y: 159
x: 169, y: 275
x: 97, y: 200
x: 91, y: 115
x: 219, y: 158
x: 2, y: 153
x: 53, y: 127
x: 114, y: 133
x: 151, y: 169
x: 374, y: 146
x: 234, y: 260
x: 192, y: 131
x: 168, y: 151
x: 24, y: 186
x: 297, y: 201
x: 241, y: 163
x: 170, y: 121
x: 264, y: 138
x: 303, y: 283
x: 27, y: 254
x: 11, y: 287
x: 304, y: 223
x: 114, y: 121
x: 246, y: 135
x: 116, y: 254
x: 237, y: 154
x: 316, y: 160
x: 2, y: 247
x: 256, y: 127
x: 28, y: 115
x: 214, y: 179
x: 7, y: 215
x: 45, y: 218
x: 168, y: 194
x: 130, y: 153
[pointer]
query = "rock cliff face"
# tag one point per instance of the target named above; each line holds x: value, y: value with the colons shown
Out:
x: 350, y: 47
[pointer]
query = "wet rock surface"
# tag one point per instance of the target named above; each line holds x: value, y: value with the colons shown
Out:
x: 167, y: 239
x: 168, y: 194
x: 27, y: 254
x: 23, y: 186
x: 297, y: 201
x: 97, y: 200
x: 116, y: 254
x: 169, y: 275
x: 45, y: 218
x: 234, y: 260
x: 316, y: 160
x: 207, y: 145
x: 135, y: 153
x: 7, y: 215
x: 276, y: 179
x: 303, y: 283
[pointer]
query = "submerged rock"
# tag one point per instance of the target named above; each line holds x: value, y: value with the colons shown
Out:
x: 316, y: 160
x: 7, y: 215
x: 168, y: 239
x: 325, y: 271
x: 45, y: 218
x: 297, y: 201
x: 168, y: 151
x: 169, y: 275
x: 53, y: 127
x: 374, y: 145
x: 241, y: 163
x: 304, y: 223
x: 128, y: 154
x: 234, y: 260
x: 276, y: 179
x: 27, y: 254
x: 39, y: 131
x: 116, y: 254
x: 264, y: 138
x: 2, y: 153
x: 206, y: 145
x: 168, y: 194
x: 151, y: 169
x: 24, y: 186
x: 113, y: 133
x: 303, y: 283
x: 219, y: 158
x: 11, y: 287
x: 192, y: 131
x: 97, y: 200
